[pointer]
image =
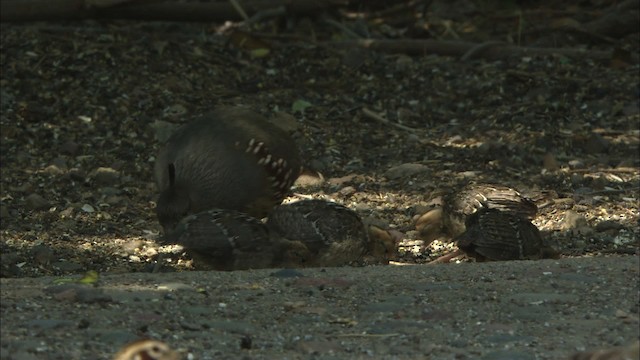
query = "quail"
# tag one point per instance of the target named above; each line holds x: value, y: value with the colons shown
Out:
x: 327, y: 234
x: 224, y: 239
x: 448, y: 220
x: 231, y: 158
x: 629, y: 352
x: 494, y: 235
x: 146, y: 349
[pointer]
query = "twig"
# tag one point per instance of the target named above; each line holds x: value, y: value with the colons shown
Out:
x: 478, y: 49
x: 446, y: 258
x: 267, y: 14
x: 397, y: 263
x: 604, y: 192
x: 372, y: 115
x: 460, y: 48
x: 368, y: 335
x: 236, y: 5
x: 343, y: 28
x: 619, y: 171
x: 51, y: 10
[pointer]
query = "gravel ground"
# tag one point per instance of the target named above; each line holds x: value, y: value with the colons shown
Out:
x: 85, y: 105
x: 511, y: 310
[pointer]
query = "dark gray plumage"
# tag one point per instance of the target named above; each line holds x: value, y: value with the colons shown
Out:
x: 448, y: 221
x: 224, y: 240
x: 492, y: 234
x: 232, y: 158
x: 331, y: 234
x: 302, y: 234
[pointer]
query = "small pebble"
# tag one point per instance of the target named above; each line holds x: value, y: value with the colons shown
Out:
x: 576, y: 164
x: 4, y: 212
x: 287, y: 273
x: 61, y: 163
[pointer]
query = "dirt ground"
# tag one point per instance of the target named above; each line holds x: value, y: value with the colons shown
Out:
x: 84, y: 106
x: 546, y: 309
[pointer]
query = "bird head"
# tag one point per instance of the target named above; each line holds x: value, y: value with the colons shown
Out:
x: 383, y: 244
x: 430, y: 225
x: 173, y: 204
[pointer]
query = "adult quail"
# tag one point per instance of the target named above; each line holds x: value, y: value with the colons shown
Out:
x: 448, y: 220
x: 332, y: 234
x: 231, y: 158
x: 224, y: 239
x: 496, y: 235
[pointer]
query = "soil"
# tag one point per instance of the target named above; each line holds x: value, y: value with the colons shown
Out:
x: 85, y: 105
x: 545, y: 309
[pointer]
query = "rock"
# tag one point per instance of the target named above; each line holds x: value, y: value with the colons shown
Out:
x: 76, y: 174
x: 406, y: 170
x: 347, y: 191
x: 69, y: 148
x: 42, y: 254
x: 596, y: 144
x: 550, y: 163
x: 53, y: 170
x: 36, y: 202
x: 576, y: 164
x: 106, y: 176
x: 4, y: 211
x: 607, y: 225
x: 61, y: 163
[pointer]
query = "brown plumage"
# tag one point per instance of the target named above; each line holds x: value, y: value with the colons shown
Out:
x: 492, y: 234
x: 146, y: 349
x: 630, y: 352
x: 232, y: 158
x: 224, y: 240
x: 302, y: 234
x: 448, y: 220
x: 332, y: 234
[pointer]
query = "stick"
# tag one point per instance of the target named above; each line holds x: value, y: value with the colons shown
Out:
x: 372, y: 115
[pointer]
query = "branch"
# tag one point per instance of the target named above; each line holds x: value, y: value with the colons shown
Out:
x: 36, y: 10
x: 489, y: 51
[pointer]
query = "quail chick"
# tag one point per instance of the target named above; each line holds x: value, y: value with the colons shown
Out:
x: 232, y: 158
x: 332, y: 234
x: 146, y: 349
x: 448, y: 220
x: 383, y: 244
x: 496, y: 235
x: 224, y: 240
x: 630, y: 352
